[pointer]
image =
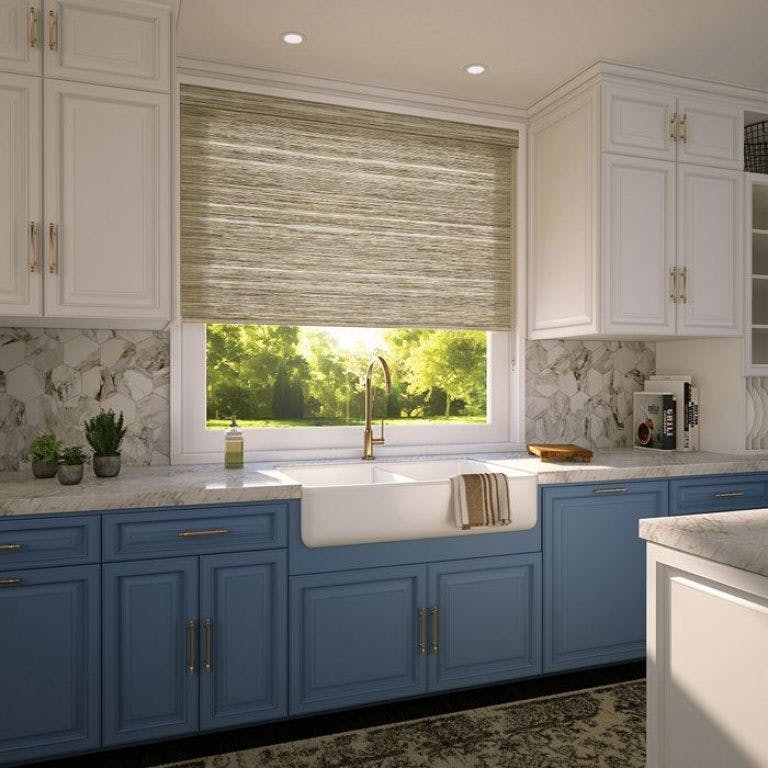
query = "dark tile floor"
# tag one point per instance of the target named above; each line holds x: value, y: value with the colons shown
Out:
x: 320, y: 725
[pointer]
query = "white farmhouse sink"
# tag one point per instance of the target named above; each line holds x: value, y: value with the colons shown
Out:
x: 360, y: 502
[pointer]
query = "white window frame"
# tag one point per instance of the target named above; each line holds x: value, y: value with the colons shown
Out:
x: 192, y: 443
x: 281, y: 443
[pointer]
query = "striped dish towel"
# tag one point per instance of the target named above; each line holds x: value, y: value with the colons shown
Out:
x: 480, y: 500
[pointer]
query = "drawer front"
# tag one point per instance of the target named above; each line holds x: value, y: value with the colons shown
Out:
x: 718, y: 494
x: 195, y: 531
x: 47, y: 541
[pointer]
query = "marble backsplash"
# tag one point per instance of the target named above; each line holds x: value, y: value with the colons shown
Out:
x: 51, y: 380
x: 581, y: 391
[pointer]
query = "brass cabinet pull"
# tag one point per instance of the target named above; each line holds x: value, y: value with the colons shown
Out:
x: 673, y: 127
x: 32, y: 21
x: 435, y: 644
x: 11, y: 582
x: 609, y: 491
x: 33, y: 246
x: 53, y: 31
x: 53, y: 248
x: 10, y: 547
x: 208, y: 644
x: 209, y: 532
x: 684, y: 276
x: 191, y: 647
x: 727, y: 494
x: 422, y: 631
x: 673, y: 284
x: 684, y: 128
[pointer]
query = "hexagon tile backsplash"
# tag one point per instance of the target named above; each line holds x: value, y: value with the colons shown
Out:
x: 51, y: 380
x: 581, y: 391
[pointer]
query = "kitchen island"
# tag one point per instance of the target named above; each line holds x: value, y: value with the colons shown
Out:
x: 707, y: 640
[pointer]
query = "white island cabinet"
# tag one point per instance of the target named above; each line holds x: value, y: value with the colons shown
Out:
x: 707, y: 640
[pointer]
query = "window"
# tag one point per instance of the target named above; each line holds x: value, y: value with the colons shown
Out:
x: 298, y: 376
x: 301, y: 223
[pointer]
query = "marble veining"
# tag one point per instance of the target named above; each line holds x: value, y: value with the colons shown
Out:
x: 634, y: 464
x: 581, y: 391
x: 138, y: 487
x: 738, y: 539
x: 52, y: 380
x: 141, y: 487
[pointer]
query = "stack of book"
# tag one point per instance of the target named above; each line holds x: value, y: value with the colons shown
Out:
x: 667, y: 414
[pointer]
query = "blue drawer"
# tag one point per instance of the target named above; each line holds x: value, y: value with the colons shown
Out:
x: 721, y: 493
x: 47, y: 541
x: 194, y: 530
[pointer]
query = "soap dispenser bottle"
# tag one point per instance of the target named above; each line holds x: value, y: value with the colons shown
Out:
x: 233, y: 446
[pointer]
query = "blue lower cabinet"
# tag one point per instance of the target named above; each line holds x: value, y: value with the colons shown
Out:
x: 244, y: 658
x: 150, y: 683
x: 51, y: 662
x: 594, y: 572
x: 485, y: 620
x: 693, y: 496
x: 355, y: 637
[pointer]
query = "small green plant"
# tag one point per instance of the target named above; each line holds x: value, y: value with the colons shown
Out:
x: 104, y: 433
x: 72, y: 456
x: 45, y: 449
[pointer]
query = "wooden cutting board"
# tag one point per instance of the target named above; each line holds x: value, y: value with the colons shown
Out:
x: 560, y: 452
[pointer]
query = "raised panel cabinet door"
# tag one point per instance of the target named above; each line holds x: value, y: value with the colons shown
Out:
x: 355, y: 637
x: 106, y: 197
x: 21, y: 282
x: 594, y: 572
x: 244, y: 636
x: 50, y: 646
x: 21, y: 43
x: 711, y: 133
x: 563, y: 225
x: 639, y: 121
x: 709, y: 251
x: 487, y: 626
x: 150, y: 632
x: 111, y: 42
x: 638, y: 244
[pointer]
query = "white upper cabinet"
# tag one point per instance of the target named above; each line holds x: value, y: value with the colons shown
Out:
x: 709, y: 250
x: 108, y: 41
x: 711, y: 132
x: 21, y: 43
x: 659, y: 123
x: 639, y: 121
x: 639, y: 240
x: 643, y: 239
x: 20, y: 225
x: 106, y: 202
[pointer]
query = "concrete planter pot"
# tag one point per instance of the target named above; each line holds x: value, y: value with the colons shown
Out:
x: 43, y: 469
x: 106, y: 466
x: 70, y: 474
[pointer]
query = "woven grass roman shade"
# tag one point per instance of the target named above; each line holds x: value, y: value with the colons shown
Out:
x: 299, y: 213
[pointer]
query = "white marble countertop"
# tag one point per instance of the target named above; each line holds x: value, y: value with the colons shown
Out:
x: 738, y: 539
x: 634, y: 464
x: 138, y: 487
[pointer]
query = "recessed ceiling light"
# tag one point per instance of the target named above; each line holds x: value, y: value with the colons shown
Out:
x: 475, y: 69
x: 293, y: 38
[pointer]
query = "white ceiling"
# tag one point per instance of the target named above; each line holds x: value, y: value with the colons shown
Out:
x: 530, y: 46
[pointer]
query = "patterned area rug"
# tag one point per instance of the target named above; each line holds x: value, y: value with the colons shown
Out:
x: 593, y: 728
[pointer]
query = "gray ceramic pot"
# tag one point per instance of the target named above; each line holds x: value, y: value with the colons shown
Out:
x: 70, y: 474
x: 43, y: 469
x: 106, y: 466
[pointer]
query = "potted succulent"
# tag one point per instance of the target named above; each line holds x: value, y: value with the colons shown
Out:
x: 71, y: 462
x: 104, y: 433
x: 44, y: 453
